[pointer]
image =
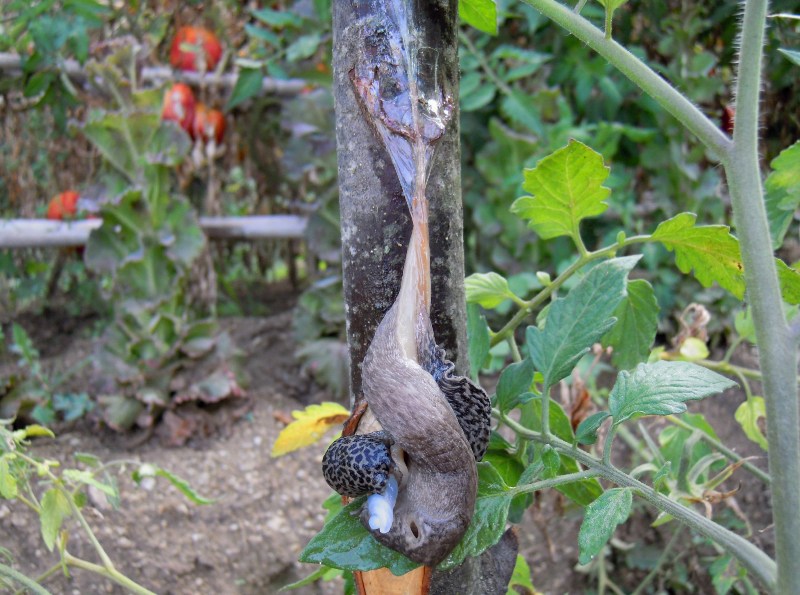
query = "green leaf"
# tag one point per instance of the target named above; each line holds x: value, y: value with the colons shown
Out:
x: 551, y: 461
x: 521, y: 109
x: 8, y: 484
x: 612, y: 5
x: 183, y: 486
x: 782, y: 196
x: 278, y: 18
x: 601, y: 519
x: 481, y: 14
x: 489, y: 521
x: 576, y: 322
x: 748, y: 414
x: 566, y: 188
x: 514, y: 380
x: 636, y: 327
x: 345, y: 543
x: 23, y: 346
x: 488, y: 289
x: 303, y: 47
x: 586, y: 433
x: 521, y: 577
x: 662, y: 388
x: 477, y: 98
x: 478, y: 338
x: 792, y: 55
x: 86, y: 478
x: 710, y: 250
x: 789, y: 280
x: 248, y: 85
x: 55, y: 508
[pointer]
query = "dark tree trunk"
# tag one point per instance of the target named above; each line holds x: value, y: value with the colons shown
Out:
x: 376, y: 226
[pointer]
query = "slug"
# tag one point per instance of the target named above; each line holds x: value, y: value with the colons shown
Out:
x: 415, y: 452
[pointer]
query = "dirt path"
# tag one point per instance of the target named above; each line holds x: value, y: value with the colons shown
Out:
x: 267, y: 509
x: 246, y: 543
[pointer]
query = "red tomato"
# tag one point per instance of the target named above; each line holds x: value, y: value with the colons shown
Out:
x: 63, y: 206
x: 208, y: 124
x: 196, y: 49
x: 179, y: 106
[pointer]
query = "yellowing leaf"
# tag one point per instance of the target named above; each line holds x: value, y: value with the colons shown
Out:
x: 308, y: 427
x: 710, y: 250
x: 748, y: 415
x: 693, y: 349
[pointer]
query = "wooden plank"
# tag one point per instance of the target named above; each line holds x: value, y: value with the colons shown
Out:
x: 156, y: 75
x: 44, y: 233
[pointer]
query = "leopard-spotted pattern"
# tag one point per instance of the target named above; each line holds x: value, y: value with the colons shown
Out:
x: 468, y: 400
x: 361, y: 464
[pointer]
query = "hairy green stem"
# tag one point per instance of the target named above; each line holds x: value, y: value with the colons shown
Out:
x: 751, y: 557
x: 553, y: 482
x: 777, y: 349
x: 641, y: 74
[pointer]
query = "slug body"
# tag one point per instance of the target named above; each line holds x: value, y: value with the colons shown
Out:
x: 431, y: 425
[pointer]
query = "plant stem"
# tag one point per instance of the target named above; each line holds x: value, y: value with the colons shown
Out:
x: 752, y: 558
x: 27, y: 583
x: 641, y: 74
x: 553, y: 482
x: 777, y: 349
x: 109, y: 573
x: 90, y: 534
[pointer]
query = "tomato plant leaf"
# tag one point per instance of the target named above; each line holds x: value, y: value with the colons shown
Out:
x: 521, y: 577
x: 489, y: 521
x: 662, y: 388
x: 309, y: 426
x: 637, y: 323
x: 748, y: 414
x: 789, y: 280
x: 566, y: 188
x: 710, y: 250
x: 488, y: 289
x: 586, y: 433
x: 86, y: 478
x: 514, y: 380
x: 782, y: 196
x: 8, y: 484
x: 478, y: 339
x: 345, y: 543
x: 248, y: 85
x: 481, y: 14
x: 55, y: 508
x: 601, y: 519
x: 578, y: 320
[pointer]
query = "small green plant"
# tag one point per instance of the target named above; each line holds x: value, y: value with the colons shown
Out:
x: 147, y: 246
x: 33, y: 393
x: 56, y: 494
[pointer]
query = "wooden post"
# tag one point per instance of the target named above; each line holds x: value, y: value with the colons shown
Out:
x: 376, y: 227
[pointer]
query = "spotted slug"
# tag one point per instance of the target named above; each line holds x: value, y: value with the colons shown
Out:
x: 416, y: 456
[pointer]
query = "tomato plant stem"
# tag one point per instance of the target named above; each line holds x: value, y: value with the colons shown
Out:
x: 751, y: 557
x: 777, y: 347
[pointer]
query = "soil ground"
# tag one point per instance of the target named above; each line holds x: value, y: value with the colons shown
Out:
x: 267, y: 509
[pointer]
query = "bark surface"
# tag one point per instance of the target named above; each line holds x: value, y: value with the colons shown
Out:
x: 376, y: 225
